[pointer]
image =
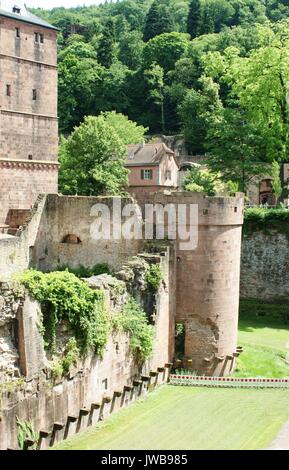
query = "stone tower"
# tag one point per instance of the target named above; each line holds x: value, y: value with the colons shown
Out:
x: 207, y: 282
x: 28, y: 107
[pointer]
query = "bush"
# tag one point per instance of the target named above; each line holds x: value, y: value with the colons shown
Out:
x: 261, y: 218
x: 85, y: 272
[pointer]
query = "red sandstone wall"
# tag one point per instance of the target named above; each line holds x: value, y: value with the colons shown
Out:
x: 28, y: 128
x: 21, y: 184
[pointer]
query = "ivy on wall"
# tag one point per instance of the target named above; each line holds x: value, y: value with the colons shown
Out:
x: 154, y: 277
x: 133, y: 320
x: 65, y: 297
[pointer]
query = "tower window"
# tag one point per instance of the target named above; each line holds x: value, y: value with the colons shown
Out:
x: 41, y: 36
x: 17, y: 32
x: 16, y: 10
x: 36, y: 37
x: 8, y: 90
x: 30, y: 157
x: 34, y: 95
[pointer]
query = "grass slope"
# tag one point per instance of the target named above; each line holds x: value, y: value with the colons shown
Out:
x: 265, y: 338
x: 182, y: 418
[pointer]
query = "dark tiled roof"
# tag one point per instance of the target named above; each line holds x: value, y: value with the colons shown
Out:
x: 148, y: 154
x: 6, y: 9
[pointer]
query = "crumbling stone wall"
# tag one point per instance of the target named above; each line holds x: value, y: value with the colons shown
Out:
x: 96, y: 386
x: 265, y: 266
x: 11, y: 298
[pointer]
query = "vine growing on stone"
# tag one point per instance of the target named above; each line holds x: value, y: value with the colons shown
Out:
x: 133, y: 320
x: 65, y: 297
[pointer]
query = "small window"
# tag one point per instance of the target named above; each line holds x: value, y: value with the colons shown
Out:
x: 41, y: 37
x: 8, y: 90
x: 16, y: 10
x: 36, y: 37
x: 168, y: 175
x: 17, y: 32
x: 146, y: 174
x: 30, y: 157
x: 34, y: 95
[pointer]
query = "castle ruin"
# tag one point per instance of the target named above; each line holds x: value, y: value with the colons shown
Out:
x: 200, y: 286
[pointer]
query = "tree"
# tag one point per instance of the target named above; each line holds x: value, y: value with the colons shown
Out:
x: 92, y: 160
x: 202, y: 180
x: 159, y: 20
x: 276, y: 182
x: 155, y: 80
x: 194, y: 18
x: 130, y: 49
x: 106, y: 47
x: 166, y: 49
x: 215, y: 14
x: 128, y: 131
x: 236, y: 149
x: 261, y: 84
x: 79, y: 76
x: 199, y: 110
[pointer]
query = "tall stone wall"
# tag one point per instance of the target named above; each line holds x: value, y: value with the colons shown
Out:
x: 265, y: 266
x: 28, y: 114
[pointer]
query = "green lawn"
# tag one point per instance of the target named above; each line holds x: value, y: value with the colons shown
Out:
x: 265, y: 338
x: 191, y: 418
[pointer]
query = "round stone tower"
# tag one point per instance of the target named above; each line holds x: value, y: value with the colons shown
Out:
x: 207, y: 280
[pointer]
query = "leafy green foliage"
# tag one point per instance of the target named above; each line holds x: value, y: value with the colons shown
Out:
x: 85, y: 271
x: 133, y: 320
x: 202, y: 180
x: 106, y: 46
x: 166, y: 50
x: 194, y: 18
x: 154, y: 276
x: 61, y: 366
x: 128, y: 131
x: 236, y: 149
x: 65, y: 297
x: 159, y: 20
x: 105, y: 50
x: 25, y: 430
x: 259, y: 218
x: 276, y: 183
x: 92, y: 160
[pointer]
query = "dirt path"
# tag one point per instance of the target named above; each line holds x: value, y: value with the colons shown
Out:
x: 281, y: 441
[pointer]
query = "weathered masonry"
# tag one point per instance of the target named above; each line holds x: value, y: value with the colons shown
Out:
x: 28, y: 108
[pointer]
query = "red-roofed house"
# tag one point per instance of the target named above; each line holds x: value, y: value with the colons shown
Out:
x: 152, y: 167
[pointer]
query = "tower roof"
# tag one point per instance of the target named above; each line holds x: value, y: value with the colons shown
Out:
x: 16, y: 9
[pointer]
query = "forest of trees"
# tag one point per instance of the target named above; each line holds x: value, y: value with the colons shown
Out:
x: 215, y: 70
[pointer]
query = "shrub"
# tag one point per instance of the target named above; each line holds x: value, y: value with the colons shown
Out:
x: 261, y: 218
x: 85, y: 272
